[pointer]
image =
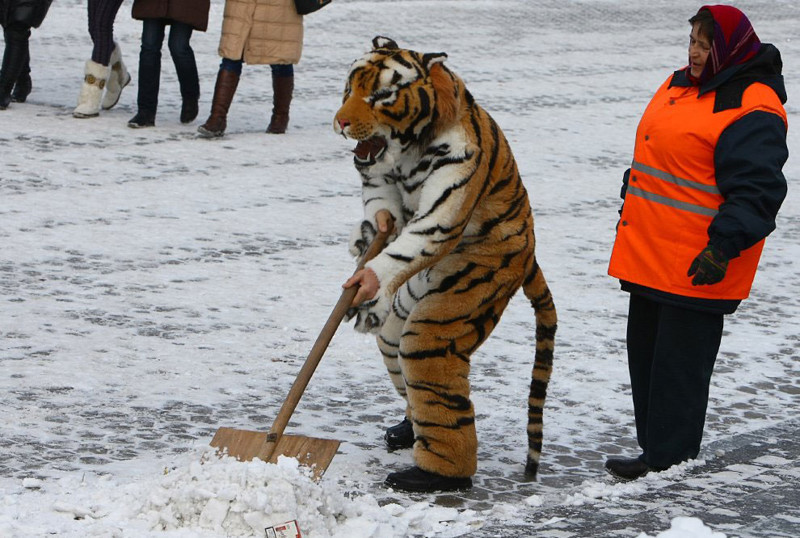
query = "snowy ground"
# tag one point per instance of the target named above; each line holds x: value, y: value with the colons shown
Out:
x: 156, y: 286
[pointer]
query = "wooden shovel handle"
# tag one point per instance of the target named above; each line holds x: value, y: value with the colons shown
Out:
x: 321, y: 344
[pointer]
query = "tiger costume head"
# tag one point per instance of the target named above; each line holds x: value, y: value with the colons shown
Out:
x: 396, y: 98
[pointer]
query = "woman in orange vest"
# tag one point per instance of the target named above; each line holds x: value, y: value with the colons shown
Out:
x: 701, y: 195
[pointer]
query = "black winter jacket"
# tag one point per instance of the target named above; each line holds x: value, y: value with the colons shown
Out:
x: 23, y: 13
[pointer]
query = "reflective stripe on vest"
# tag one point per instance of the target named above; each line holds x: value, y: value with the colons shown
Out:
x: 660, y: 174
x: 680, y: 182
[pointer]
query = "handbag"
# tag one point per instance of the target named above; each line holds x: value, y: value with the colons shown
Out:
x: 304, y: 7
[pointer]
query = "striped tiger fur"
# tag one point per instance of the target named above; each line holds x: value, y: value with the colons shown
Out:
x: 463, y: 244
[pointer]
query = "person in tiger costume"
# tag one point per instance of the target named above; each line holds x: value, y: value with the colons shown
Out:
x: 436, y: 167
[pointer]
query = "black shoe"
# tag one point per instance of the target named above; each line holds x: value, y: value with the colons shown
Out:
x: 5, y: 100
x: 142, y: 119
x: 627, y: 468
x: 400, y: 436
x: 417, y: 480
x: 22, y: 88
x: 188, y: 110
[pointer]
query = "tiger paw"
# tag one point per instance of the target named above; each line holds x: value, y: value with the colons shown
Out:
x: 361, y: 237
x: 370, y: 315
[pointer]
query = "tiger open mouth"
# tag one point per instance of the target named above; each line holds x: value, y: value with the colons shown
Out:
x: 368, y: 151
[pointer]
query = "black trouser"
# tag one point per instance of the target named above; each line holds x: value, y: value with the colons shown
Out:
x: 671, y: 355
x: 16, y: 56
x: 153, y: 31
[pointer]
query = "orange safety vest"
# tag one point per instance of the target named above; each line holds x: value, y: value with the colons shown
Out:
x: 672, y: 193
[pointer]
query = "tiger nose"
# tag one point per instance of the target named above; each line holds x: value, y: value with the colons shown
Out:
x: 342, y: 123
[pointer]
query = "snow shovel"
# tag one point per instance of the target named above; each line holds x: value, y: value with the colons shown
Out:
x: 245, y: 445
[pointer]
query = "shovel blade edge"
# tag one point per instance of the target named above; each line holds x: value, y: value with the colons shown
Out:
x: 245, y: 445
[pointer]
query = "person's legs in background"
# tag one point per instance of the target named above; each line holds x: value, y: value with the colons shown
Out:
x: 149, y: 73
x: 102, y: 14
x: 224, y: 90
x: 180, y: 35
x: 24, y: 84
x: 97, y: 71
x: 282, y: 89
x: 15, y: 58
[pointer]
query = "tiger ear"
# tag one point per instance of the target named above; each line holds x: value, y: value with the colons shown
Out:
x: 432, y: 58
x: 380, y: 42
x: 448, y: 93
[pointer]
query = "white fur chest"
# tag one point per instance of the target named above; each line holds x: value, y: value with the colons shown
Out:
x: 418, y: 170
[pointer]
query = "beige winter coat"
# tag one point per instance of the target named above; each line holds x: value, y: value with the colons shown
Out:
x: 261, y: 32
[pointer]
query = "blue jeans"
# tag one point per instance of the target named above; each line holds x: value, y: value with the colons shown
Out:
x: 278, y: 70
x: 180, y: 34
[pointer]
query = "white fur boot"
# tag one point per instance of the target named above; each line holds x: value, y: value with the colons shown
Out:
x: 117, y: 79
x: 94, y: 82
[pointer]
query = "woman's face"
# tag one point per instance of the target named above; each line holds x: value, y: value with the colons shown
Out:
x: 699, y: 48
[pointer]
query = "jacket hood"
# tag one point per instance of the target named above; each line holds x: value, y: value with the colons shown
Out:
x: 765, y: 67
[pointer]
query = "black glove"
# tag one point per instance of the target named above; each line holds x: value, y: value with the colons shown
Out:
x: 708, y: 267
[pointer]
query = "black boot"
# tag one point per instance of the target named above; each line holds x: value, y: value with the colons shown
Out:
x: 189, y: 110
x: 400, y: 436
x: 416, y: 480
x: 15, y: 58
x: 142, y: 119
x: 22, y: 88
x: 627, y: 468
x: 5, y: 91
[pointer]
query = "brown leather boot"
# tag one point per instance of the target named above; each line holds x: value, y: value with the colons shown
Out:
x: 282, y: 88
x: 224, y: 90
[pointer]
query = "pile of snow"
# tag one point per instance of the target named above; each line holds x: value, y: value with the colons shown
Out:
x: 210, y: 496
x: 686, y: 527
x: 592, y: 490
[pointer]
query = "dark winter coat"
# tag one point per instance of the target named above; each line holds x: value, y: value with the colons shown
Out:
x: 23, y: 13
x: 191, y: 12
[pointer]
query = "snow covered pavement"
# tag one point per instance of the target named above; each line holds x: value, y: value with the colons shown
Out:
x: 155, y: 286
